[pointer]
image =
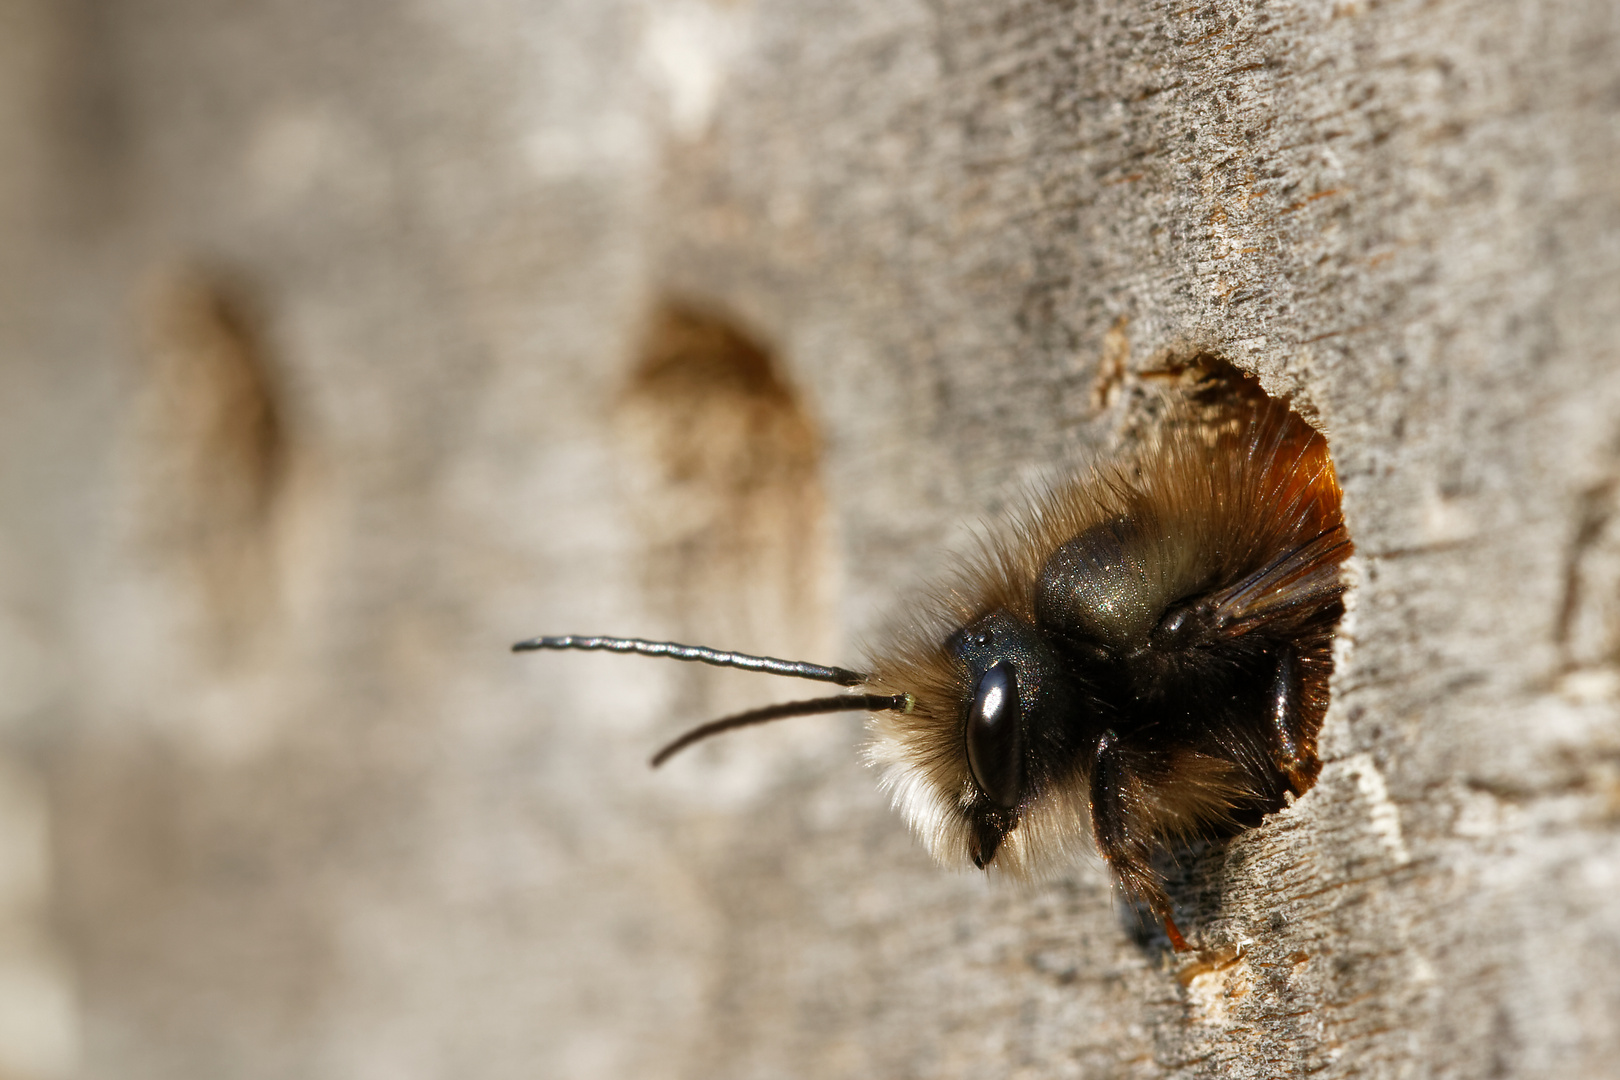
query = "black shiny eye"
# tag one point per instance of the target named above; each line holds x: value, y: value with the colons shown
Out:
x: 995, y: 737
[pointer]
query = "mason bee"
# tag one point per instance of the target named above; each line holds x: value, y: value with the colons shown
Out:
x: 1142, y: 656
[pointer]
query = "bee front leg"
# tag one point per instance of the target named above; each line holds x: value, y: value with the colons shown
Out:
x: 1123, y: 838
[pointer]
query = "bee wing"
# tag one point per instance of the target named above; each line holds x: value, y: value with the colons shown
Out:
x: 1299, y: 582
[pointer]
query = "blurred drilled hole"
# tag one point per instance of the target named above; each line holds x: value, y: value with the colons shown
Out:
x: 210, y: 450
x: 1588, y: 626
x: 730, y: 493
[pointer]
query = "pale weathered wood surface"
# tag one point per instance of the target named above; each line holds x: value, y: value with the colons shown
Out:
x: 320, y: 325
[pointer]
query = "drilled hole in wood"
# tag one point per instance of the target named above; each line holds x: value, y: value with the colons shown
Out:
x: 728, y: 481
x: 210, y: 448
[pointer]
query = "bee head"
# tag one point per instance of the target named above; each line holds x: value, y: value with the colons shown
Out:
x: 1021, y: 704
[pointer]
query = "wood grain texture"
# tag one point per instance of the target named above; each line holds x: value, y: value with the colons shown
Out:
x: 378, y: 845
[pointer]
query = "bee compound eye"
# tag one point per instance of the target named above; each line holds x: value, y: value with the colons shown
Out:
x: 995, y: 736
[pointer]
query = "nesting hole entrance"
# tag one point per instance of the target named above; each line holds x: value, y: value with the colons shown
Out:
x: 728, y: 487
x: 210, y: 452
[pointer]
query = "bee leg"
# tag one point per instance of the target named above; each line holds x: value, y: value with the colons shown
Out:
x: 1177, y: 942
x: 1122, y: 838
x: 1284, y: 705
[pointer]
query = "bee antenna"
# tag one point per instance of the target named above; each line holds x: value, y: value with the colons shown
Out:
x: 841, y: 703
x: 768, y: 664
